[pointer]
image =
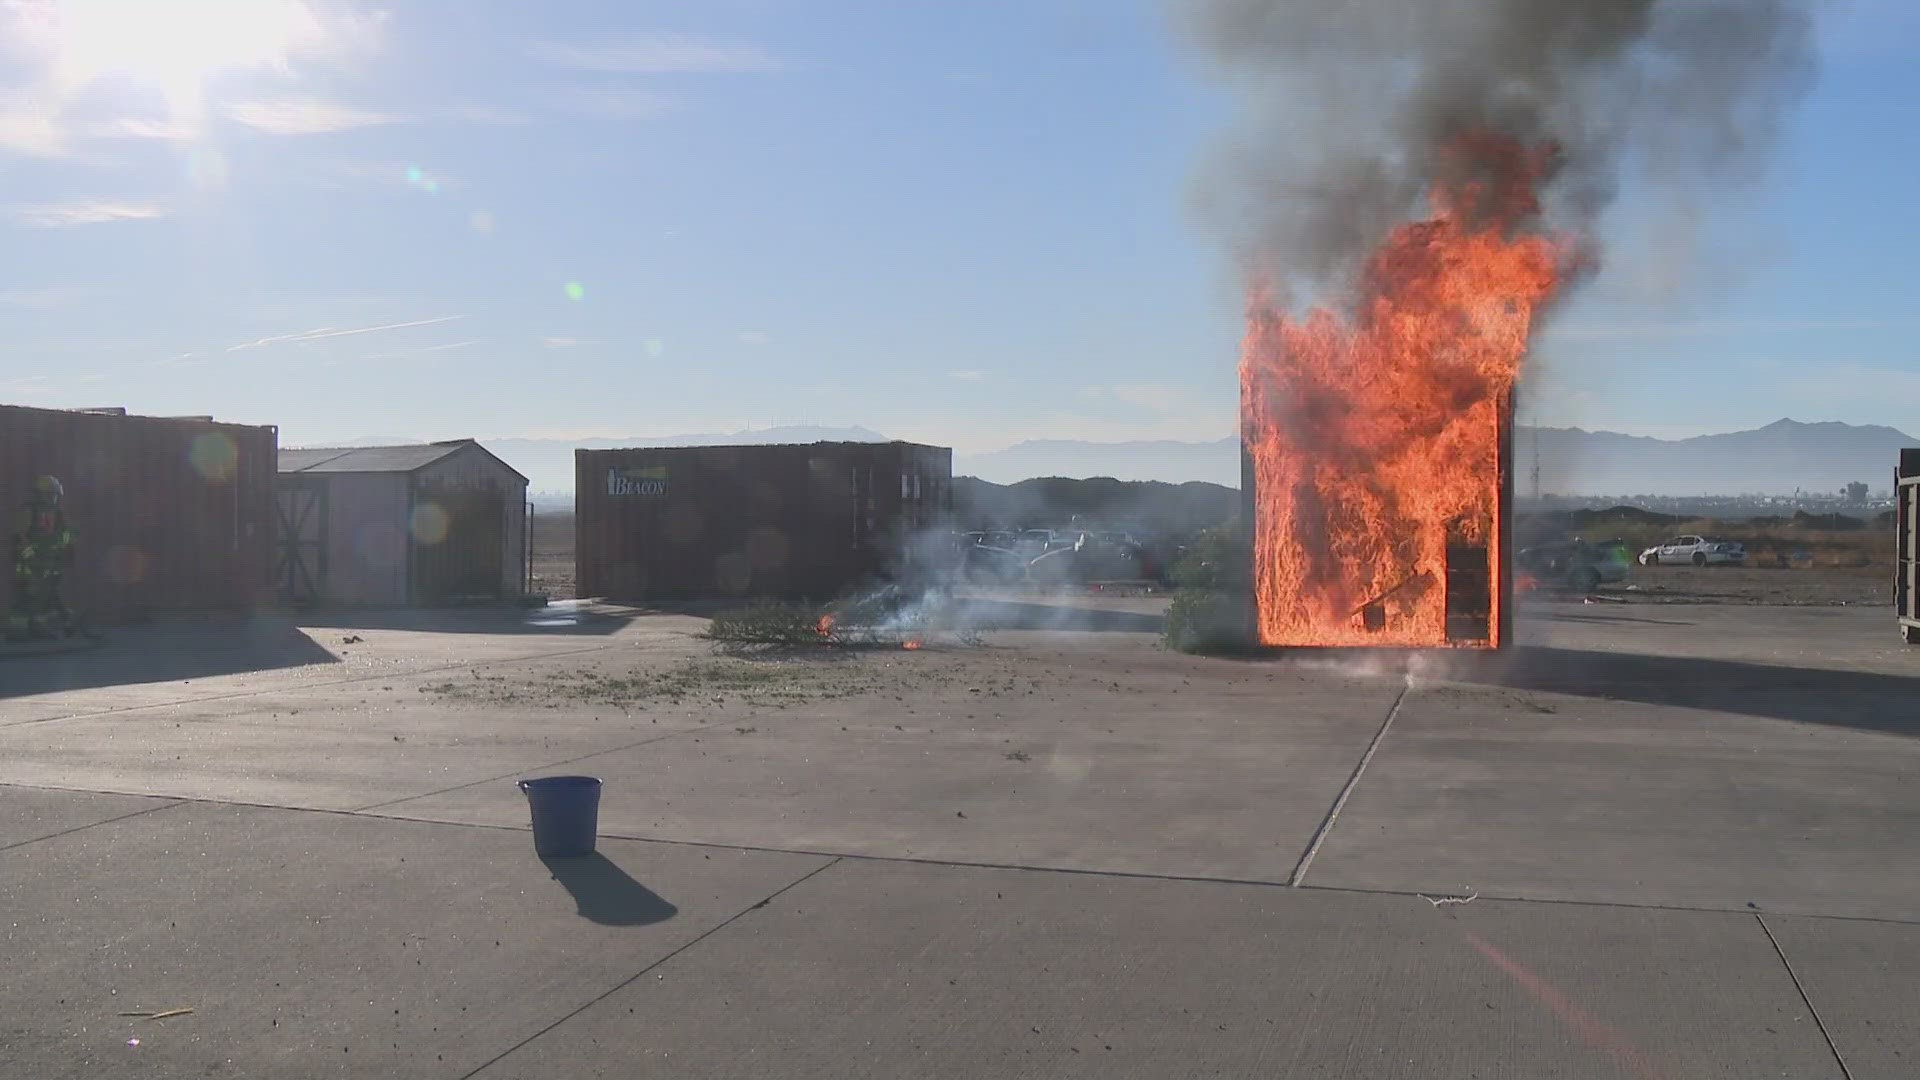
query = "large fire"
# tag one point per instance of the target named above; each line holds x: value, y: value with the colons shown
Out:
x: 1375, y: 442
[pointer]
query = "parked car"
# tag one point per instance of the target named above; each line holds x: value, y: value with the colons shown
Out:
x: 984, y: 564
x: 1698, y: 550
x: 1575, y: 565
x: 1037, y: 542
x: 1090, y: 559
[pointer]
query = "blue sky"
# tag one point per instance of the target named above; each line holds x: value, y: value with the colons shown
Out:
x: 963, y: 223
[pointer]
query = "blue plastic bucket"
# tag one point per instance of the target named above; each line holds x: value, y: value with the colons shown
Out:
x: 566, y: 814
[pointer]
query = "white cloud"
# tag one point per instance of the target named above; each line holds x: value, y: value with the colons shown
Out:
x: 561, y: 341
x: 29, y: 133
x: 31, y: 386
x: 654, y: 52
x: 490, y: 116
x: 143, y: 128
x: 329, y: 332
x: 619, y: 102
x: 1715, y: 329
x: 85, y: 212
x: 38, y: 299
x: 755, y: 337
x: 967, y: 374
x: 305, y: 116
x: 1160, y: 399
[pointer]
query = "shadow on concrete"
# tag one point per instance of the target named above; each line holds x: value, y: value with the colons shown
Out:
x: 1855, y: 699
x: 1834, y: 697
x: 563, y: 617
x: 165, y: 652
x: 1604, y: 617
x: 988, y: 614
x: 604, y: 893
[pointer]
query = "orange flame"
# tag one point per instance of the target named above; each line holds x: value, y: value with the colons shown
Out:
x: 824, y: 627
x: 910, y: 644
x: 1375, y: 442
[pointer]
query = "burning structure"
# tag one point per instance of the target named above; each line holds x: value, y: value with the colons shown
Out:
x: 1426, y: 179
x: 1379, y: 449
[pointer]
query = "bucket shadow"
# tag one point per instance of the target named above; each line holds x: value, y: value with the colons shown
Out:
x: 604, y: 893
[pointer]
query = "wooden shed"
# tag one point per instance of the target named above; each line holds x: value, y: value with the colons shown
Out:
x: 430, y: 523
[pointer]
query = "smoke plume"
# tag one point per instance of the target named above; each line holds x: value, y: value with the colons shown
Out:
x: 1349, y: 107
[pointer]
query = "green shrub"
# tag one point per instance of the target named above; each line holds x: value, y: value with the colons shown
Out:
x: 1212, y: 594
x: 1205, y: 620
x: 1216, y: 559
x: 766, y: 625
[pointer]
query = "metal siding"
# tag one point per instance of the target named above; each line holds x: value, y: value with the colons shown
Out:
x: 472, y: 469
x: 153, y: 533
x: 366, y: 538
x: 1906, y: 569
x: 778, y: 521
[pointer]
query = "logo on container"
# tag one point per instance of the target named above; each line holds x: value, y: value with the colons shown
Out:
x: 644, y: 480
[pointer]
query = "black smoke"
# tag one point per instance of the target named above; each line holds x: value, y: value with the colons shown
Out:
x: 1347, y: 109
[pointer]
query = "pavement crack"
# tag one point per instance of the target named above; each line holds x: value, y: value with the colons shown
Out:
x: 636, y: 976
x: 92, y: 824
x: 1797, y: 985
x: 1340, y: 801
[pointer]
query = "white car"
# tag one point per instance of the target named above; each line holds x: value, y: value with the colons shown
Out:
x: 1698, y: 550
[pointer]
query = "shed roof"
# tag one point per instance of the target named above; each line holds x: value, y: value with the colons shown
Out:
x: 378, y: 459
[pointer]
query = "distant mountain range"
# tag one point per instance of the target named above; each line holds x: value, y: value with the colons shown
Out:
x: 548, y: 463
x: 1052, y: 502
x: 1168, y: 462
x: 1777, y: 459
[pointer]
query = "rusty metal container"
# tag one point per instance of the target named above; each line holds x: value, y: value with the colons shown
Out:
x: 170, y: 515
x: 1906, y: 553
x: 786, y: 521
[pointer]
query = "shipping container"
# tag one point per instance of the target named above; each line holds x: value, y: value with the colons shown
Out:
x: 169, y: 514
x: 786, y: 521
x: 1906, y: 556
x: 424, y: 523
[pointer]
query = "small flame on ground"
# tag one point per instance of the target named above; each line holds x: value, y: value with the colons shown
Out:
x: 824, y: 627
x: 910, y: 644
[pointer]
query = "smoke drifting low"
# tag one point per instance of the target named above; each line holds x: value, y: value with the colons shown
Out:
x: 1350, y: 106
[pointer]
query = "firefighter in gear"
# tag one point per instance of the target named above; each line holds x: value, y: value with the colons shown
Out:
x: 42, y: 551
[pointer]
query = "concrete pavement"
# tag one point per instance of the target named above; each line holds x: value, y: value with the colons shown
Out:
x: 1067, y: 852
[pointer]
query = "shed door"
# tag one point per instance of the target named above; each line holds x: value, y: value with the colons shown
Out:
x: 301, y: 563
x: 458, y: 541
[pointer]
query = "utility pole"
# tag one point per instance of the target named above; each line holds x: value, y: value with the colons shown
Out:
x: 1536, y: 464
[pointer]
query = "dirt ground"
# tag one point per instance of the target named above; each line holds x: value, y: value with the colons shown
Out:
x: 1811, y: 586
x: 553, y: 554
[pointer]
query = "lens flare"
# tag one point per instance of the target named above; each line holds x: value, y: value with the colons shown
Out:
x: 213, y: 456
x: 428, y: 523
x: 126, y: 565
